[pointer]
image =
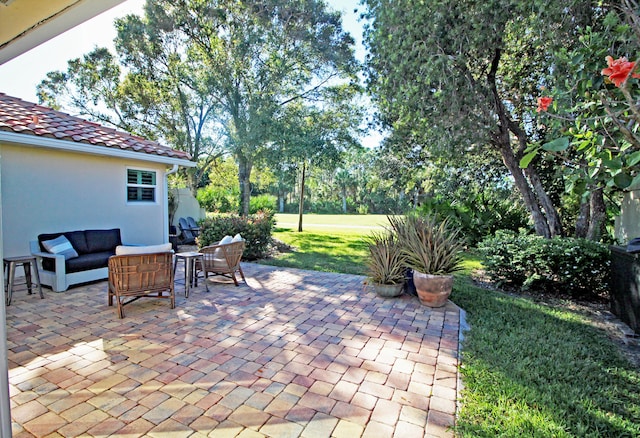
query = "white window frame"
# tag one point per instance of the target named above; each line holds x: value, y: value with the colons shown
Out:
x: 153, y: 186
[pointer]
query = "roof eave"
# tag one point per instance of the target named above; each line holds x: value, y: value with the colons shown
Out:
x: 86, y: 148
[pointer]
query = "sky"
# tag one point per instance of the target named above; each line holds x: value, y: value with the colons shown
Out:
x: 20, y: 76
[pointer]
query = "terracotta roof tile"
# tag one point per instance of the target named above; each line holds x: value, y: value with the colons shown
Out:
x: 19, y: 116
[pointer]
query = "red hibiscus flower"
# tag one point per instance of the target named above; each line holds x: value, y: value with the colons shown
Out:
x: 543, y: 103
x: 619, y: 70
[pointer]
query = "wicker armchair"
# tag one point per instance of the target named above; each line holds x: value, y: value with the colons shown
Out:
x: 140, y: 275
x: 222, y: 260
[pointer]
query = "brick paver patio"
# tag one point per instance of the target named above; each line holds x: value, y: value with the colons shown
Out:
x: 292, y: 353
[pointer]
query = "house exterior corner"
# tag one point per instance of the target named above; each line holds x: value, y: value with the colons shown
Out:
x: 47, y: 191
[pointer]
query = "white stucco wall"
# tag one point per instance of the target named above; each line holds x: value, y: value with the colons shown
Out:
x: 628, y: 223
x: 46, y: 191
x: 187, y: 206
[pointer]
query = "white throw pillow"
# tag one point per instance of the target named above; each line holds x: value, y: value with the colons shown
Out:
x: 149, y: 249
x: 237, y: 238
x: 218, y: 253
x: 60, y: 245
x: 225, y: 240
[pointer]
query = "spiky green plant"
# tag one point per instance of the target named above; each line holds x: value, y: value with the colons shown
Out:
x: 429, y: 246
x: 386, y: 264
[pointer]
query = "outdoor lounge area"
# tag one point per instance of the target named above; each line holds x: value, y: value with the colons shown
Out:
x: 288, y: 353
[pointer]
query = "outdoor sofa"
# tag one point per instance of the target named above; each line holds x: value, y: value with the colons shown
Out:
x: 74, y: 257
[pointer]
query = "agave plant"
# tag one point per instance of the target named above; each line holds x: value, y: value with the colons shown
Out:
x: 386, y: 264
x: 429, y: 246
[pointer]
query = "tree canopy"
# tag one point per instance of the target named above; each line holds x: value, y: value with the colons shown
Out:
x: 453, y: 78
x: 209, y: 74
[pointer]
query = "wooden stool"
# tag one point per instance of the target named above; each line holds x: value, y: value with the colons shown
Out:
x: 28, y: 263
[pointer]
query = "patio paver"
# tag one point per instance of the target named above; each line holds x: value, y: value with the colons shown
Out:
x: 291, y: 353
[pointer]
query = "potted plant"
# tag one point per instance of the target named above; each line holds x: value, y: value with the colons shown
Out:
x: 433, y: 250
x: 386, y: 265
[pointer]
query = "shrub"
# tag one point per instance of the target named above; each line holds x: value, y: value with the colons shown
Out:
x: 561, y: 266
x: 262, y: 202
x: 216, y: 199
x: 255, y: 229
x: 478, y: 218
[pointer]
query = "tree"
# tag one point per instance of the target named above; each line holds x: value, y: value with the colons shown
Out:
x: 456, y: 77
x: 261, y: 56
x: 194, y: 69
x: 592, y: 126
x: 316, y: 135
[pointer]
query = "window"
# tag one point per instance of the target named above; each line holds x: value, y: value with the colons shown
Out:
x: 141, y: 185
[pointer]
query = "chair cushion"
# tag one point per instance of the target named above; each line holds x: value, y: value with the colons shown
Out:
x: 103, y: 240
x: 150, y: 249
x: 218, y: 253
x: 220, y: 264
x: 78, y: 241
x: 60, y: 245
x: 89, y: 261
x: 225, y: 240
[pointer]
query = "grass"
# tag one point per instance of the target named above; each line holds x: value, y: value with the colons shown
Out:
x: 342, y: 222
x: 322, y: 251
x: 330, y: 243
x: 535, y: 370
x: 528, y: 369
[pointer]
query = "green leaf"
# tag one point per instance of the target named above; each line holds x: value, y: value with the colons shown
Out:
x: 524, y: 162
x: 633, y: 159
x: 583, y: 145
x: 613, y: 164
x: 635, y: 183
x: 622, y: 180
x: 557, y: 145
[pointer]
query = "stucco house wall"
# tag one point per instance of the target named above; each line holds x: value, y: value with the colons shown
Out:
x: 46, y: 191
x: 627, y: 225
x: 62, y: 173
x: 187, y: 206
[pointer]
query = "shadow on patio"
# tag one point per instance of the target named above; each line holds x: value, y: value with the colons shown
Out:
x: 291, y: 353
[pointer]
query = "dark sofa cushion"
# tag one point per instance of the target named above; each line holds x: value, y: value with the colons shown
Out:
x: 98, y: 245
x: 77, y: 239
x: 86, y: 262
x: 103, y: 240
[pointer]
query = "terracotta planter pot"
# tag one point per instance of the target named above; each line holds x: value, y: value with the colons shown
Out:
x: 388, y: 290
x: 433, y: 290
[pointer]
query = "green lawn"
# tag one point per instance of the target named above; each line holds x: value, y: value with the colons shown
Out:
x: 528, y: 369
x: 345, y: 222
x: 536, y: 370
x: 332, y: 243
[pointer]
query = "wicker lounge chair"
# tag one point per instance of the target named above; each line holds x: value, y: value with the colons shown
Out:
x: 222, y: 260
x: 137, y: 276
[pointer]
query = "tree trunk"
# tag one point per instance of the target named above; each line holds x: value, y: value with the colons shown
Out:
x: 582, y: 222
x: 530, y: 201
x: 244, y: 175
x: 192, y: 181
x: 550, y: 212
x: 344, y: 200
x: 527, y: 181
x: 301, y: 206
x: 597, y: 214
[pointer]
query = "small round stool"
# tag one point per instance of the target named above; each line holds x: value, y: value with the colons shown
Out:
x: 29, y: 265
